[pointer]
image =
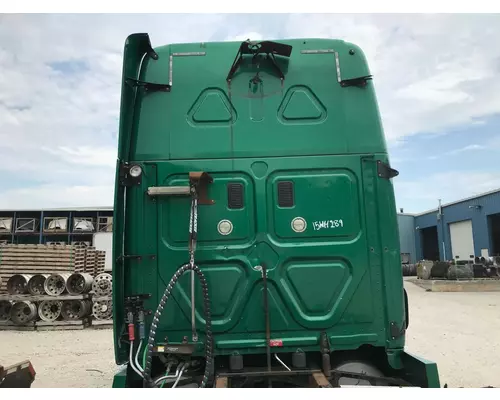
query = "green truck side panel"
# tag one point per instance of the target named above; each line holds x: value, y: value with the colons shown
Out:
x: 342, y: 275
x: 120, y: 378
x: 420, y: 372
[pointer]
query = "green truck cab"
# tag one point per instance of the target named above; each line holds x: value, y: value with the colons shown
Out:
x: 253, y: 181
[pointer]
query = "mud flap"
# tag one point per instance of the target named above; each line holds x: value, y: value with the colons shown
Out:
x: 419, y: 372
x: 120, y: 378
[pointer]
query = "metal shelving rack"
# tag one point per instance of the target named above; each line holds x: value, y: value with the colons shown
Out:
x: 101, y: 218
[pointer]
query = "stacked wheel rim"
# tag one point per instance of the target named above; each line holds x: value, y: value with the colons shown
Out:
x: 18, y: 284
x: 79, y: 283
x: 23, y: 312
x: 36, y: 284
x: 103, y: 285
x: 5, y: 308
x: 55, y: 284
x: 409, y: 269
x: 102, y: 309
x: 76, y: 309
x: 49, y: 310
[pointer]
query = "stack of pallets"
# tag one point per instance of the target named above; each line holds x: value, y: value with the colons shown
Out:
x: 39, y: 259
x: 36, y: 293
x: 90, y: 260
x: 100, y: 262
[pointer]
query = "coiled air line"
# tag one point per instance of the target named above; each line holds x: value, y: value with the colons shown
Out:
x: 147, y: 381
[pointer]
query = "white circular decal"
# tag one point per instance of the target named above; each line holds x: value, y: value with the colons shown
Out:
x: 225, y: 227
x: 299, y: 224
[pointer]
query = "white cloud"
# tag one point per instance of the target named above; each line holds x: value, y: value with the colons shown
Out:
x: 431, y: 72
x: 418, y: 195
x: 253, y: 36
x: 52, y: 195
x: 465, y: 149
x: 58, y: 131
x: 85, y: 155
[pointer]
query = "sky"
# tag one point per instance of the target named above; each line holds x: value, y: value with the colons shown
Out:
x: 436, y: 79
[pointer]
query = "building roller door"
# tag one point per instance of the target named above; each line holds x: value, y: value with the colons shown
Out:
x: 462, y: 242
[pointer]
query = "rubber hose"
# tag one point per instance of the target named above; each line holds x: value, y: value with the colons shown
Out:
x: 147, y: 381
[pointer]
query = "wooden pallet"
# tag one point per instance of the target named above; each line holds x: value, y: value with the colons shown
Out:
x: 101, y: 323
x: 46, y: 326
x: 10, y: 326
x: 62, y: 325
x: 90, y: 260
x: 100, y: 262
x: 34, y: 259
x: 101, y: 298
x: 29, y: 297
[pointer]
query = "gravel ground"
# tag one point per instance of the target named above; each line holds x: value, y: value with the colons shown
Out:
x: 63, y: 359
x: 459, y: 331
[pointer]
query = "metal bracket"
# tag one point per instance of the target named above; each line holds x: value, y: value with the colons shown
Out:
x: 319, y: 380
x: 384, y: 171
x: 395, y: 331
x: 324, y: 344
x: 150, y: 51
x: 200, y: 180
x: 125, y: 178
x: 140, y: 296
x: 359, y: 82
x: 148, y: 86
x: 135, y: 257
x: 271, y: 49
x: 135, y: 303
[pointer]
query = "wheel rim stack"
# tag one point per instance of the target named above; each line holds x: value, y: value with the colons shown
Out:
x: 102, y: 307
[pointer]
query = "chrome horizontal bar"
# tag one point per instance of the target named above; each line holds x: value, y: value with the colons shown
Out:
x: 169, y: 191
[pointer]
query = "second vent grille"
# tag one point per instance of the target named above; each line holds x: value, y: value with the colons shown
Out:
x: 235, y: 195
x: 285, y: 194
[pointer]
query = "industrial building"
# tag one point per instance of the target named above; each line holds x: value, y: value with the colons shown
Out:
x: 461, y: 230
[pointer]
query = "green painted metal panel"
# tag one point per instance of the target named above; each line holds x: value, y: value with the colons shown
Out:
x: 341, y: 275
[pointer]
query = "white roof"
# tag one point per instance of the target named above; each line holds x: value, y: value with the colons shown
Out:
x: 454, y: 202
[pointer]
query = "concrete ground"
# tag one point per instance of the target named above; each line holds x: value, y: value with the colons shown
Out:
x: 459, y: 331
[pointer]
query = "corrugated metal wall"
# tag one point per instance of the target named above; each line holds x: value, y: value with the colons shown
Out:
x: 406, y: 224
x: 477, y: 210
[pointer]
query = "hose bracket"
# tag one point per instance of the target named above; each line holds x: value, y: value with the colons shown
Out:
x: 200, y: 181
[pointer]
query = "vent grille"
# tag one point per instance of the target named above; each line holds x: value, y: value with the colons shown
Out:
x: 285, y: 194
x: 235, y: 195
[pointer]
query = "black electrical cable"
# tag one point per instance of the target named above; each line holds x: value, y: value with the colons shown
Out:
x: 147, y: 381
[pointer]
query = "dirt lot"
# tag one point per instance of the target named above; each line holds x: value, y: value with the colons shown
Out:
x: 67, y: 359
x: 457, y: 330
